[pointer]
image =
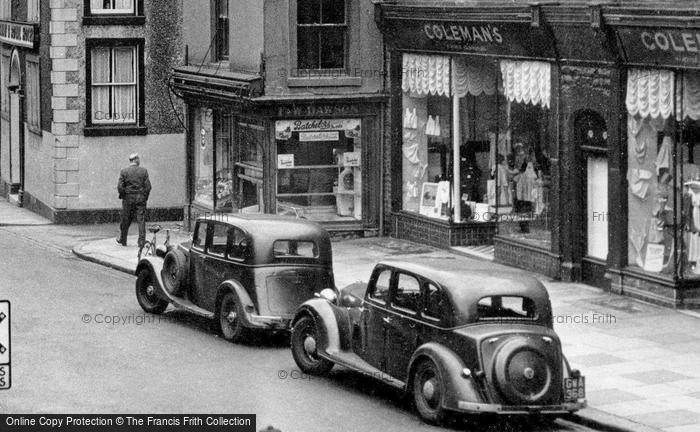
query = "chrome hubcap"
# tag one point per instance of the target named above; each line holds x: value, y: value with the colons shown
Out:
x: 150, y: 290
x: 231, y: 316
x: 528, y: 373
x: 429, y: 390
x: 310, y: 345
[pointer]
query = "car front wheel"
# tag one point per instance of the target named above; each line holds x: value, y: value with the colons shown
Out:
x: 230, y: 323
x: 429, y: 392
x: 146, y: 293
x: 304, y: 348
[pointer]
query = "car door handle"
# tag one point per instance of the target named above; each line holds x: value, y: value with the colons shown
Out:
x: 387, y: 320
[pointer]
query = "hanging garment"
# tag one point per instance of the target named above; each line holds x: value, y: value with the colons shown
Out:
x: 639, y: 180
x: 656, y: 231
x: 663, y: 159
x: 538, y: 197
x: 691, y: 206
x: 525, y: 188
x: 437, y: 131
x: 694, y: 249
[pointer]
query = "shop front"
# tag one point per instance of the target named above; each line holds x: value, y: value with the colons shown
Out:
x: 301, y: 157
x: 474, y: 125
x: 662, y: 116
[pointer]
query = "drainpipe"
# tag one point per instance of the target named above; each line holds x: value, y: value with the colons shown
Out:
x: 20, y: 193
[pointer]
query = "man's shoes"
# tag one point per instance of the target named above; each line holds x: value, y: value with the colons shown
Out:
x: 120, y: 242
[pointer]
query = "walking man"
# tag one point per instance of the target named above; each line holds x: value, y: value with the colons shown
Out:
x: 134, y: 188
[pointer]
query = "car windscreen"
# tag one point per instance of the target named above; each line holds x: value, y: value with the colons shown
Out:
x: 495, y: 308
x: 295, y: 249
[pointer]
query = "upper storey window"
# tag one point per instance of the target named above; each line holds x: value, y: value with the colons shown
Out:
x: 321, y: 34
x: 222, y: 31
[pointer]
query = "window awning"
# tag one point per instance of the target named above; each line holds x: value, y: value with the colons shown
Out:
x: 209, y: 83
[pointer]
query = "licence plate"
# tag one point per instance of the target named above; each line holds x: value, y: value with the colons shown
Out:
x: 574, y: 389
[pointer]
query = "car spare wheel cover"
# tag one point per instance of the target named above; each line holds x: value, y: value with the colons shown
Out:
x: 174, y: 273
x: 523, y: 375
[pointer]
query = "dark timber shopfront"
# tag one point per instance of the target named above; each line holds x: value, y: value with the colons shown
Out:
x: 563, y: 134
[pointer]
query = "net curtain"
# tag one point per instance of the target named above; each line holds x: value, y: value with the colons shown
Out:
x: 649, y: 93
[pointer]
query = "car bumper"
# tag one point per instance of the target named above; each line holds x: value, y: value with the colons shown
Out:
x: 476, y: 408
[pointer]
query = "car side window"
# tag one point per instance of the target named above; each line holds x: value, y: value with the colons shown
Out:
x: 435, y: 303
x: 218, y: 240
x: 407, y: 295
x: 237, y: 244
x: 200, y: 236
x: 381, y: 287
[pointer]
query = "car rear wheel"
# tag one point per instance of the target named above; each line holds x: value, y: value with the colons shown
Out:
x: 146, y: 293
x: 230, y: 323
x: 305, y: 348
x: 174, y: 272
x: 429, y: 392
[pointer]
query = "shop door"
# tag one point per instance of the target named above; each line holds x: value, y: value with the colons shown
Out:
x: 591, y: 137
x: 14, y: 139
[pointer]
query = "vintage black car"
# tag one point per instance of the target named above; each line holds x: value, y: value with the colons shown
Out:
x: 459, y: 341
x: 248, y: 272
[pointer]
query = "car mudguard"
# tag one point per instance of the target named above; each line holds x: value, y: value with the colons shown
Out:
x: 457, y: 386
x: 324, y: 316
x: 155, y: 265
x: 237, y: 289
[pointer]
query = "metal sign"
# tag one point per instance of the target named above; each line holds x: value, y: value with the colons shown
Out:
x: 18, y: 34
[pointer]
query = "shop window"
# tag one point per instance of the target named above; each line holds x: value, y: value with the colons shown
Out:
x: 248, y: 169
x: 115, y: 90
x: 33, y: 10
x: 221, y: 27
x: 319, y: 169
x: 504, y: 142
x: 32, y: 92
x: 663, y: 136
x: 321, y: 34
x: 203, y: 122
x: 223, y: 137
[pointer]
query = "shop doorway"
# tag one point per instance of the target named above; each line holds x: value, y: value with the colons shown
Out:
x: 591, y: 138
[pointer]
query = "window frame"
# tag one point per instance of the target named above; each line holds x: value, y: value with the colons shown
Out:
x: 321, y: 25
x: 33, y: 93
x: 195, y: 236
x: 111, y: 129
x: 119, y: 17
x: 211, y: 237
x: 375, y: 277
x: 216, y: 55
x: 393, y: 292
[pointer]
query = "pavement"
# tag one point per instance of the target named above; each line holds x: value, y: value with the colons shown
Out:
x: 640, y: 360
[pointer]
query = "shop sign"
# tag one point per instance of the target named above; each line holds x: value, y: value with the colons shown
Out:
x: 285, y: 161
x: 488, y: 38
x: 285, y: 128
x: 17, y: 34
x: 319, y: 136
x: 351, y: 159
x: 663, y: 47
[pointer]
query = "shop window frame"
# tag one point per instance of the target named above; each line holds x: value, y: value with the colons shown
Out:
x: 137, y: 128
x: 136, y: 17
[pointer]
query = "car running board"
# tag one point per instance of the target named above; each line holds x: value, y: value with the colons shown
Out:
x: 355, y: 362
x: 177, y: 302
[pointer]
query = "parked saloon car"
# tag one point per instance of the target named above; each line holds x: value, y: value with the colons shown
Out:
x: 458, y: 341
x: 247, y: 272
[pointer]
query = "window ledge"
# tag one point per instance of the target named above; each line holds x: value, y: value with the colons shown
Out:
x: 114, y: 20
x: 325, y: 81
x: 99, y: 131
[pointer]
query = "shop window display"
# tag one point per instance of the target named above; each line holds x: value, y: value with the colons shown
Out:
x: 319, y: 169
x: 503, y: 109
x: 663, y: 175
x: 204, y: 157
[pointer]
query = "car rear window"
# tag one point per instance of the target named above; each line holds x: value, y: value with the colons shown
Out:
x: 506, y: 307
x: 295, y: 249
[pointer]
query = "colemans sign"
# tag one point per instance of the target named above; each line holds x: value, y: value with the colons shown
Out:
x: 660, y: 47
x: 516, y: 39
